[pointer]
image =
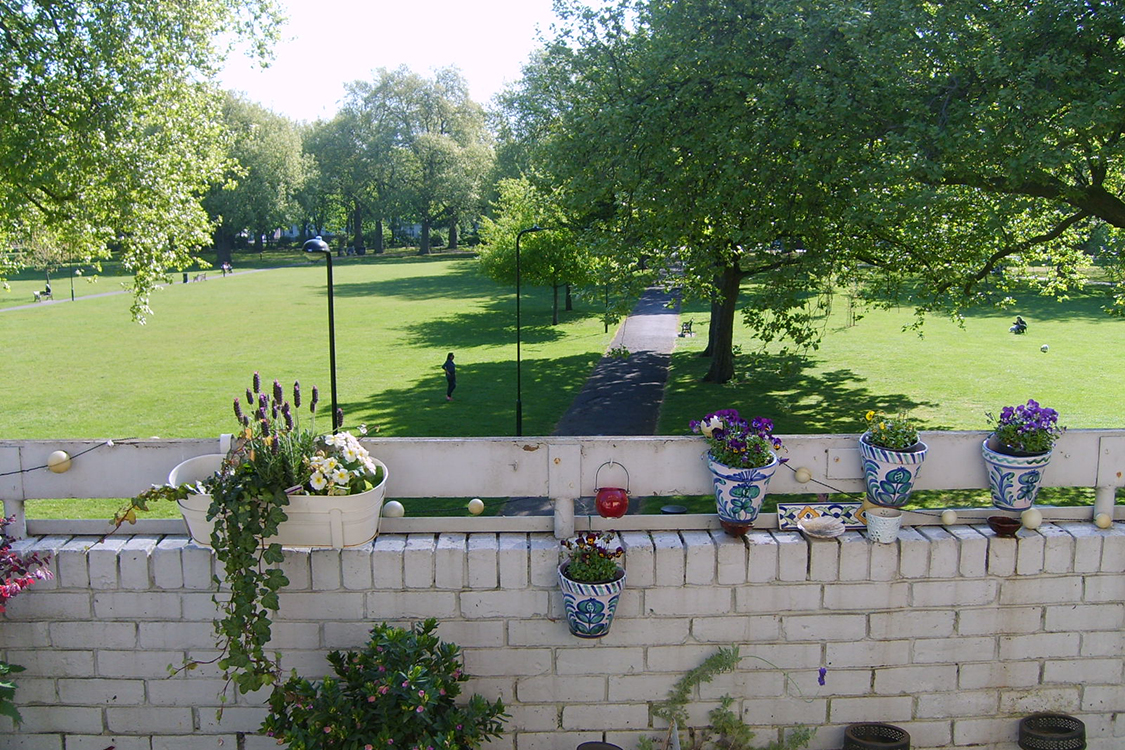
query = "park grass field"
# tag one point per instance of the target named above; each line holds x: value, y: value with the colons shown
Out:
x: 84, y: 370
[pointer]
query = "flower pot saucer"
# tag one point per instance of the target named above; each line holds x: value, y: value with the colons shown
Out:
x: 1004, y: 527
x: 735, y: 528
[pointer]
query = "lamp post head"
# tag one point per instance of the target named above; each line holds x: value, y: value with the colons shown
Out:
x: 315, y: 245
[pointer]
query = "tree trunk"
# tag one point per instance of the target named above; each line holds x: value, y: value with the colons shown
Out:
x: 424, y: 248
x: 259, y: 242
x: 711, y: 331
x: 224, y: 247
x: 555, y: 304
x: 722, y: 326
x: 569, y: 300
x: 378, y: 236
x: 357, y: 225
x: 452, y: 234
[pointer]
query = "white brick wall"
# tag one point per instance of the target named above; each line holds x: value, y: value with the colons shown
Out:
x: 952, y: 633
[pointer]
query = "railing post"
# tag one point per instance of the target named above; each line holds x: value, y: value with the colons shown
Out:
x: 564, y: 484
x: 11, y: 489
x: 1111, y: 473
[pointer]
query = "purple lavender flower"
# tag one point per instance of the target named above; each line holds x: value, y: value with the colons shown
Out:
x: 257, y: 382
x: 278, y: 394
x: 315, y: 399
x: 339, y: 417
x: 296, y: 394
x: 249, y: 397
x: 238, y: 411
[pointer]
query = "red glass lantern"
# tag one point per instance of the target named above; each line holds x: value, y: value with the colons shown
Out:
x: 612, y: 502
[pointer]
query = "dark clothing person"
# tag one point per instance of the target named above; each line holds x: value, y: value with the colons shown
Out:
x: 450, y: 376
x: 1020, y: 326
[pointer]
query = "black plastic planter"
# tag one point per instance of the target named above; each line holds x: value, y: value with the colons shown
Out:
x: 1048, y: 731
x: 874, y: 736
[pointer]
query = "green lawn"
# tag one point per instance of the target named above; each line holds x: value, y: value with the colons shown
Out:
x: 84, y: 370
x: 950, y: 378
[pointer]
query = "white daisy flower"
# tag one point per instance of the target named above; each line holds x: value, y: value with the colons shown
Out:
x: 318, y: 481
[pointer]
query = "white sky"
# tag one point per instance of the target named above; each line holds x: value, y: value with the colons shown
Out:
x: 327, y: 43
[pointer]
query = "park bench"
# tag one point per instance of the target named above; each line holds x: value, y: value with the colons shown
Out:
x: 40, y: 296
x: 685, y: 328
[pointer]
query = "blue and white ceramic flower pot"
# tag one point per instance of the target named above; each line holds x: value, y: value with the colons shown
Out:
x: 889, y: 474
x: 739, y: 492
x: 1014, y: 480
x: 590, y: 606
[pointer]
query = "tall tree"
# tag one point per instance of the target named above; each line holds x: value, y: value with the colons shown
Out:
x: 266, y: 169
x: 108, y: 128
x: 446, y: 152
x: 553, y: 257
x: 801, y: 144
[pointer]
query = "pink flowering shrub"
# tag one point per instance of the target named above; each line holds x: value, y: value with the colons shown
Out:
x: 17, y: 572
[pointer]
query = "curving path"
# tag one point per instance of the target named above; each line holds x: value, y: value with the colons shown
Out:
x: 621, y: 396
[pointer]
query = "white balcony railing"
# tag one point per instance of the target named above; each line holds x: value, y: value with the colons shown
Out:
x: 559, y: 468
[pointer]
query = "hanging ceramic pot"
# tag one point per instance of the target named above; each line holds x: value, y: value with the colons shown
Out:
x: 890, y: 474
x: 590, y: 606
x: 739, y: 493
x: 1013, y: 480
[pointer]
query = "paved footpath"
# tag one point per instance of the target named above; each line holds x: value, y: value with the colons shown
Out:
x: 621, y: 396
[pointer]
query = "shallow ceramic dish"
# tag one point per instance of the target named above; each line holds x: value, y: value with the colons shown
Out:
x: 823, y: 527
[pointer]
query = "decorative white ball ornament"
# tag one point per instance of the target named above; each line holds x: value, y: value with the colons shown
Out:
x: 949, y: 517
x: 1032, y: 518
x: 393, y: 509
x: 476, y: 506
x: 802, y: 475
x: 1103, y: 521
x: 58, y: 462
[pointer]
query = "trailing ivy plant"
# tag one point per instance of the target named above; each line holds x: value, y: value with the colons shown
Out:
x: 727, y: 730
x: 271, y: 458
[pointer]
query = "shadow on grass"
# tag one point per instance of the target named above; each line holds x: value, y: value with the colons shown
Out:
x: 483, y: 403
x: 772, y: 385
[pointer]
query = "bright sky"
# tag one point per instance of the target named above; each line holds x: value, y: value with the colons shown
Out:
x: 327, y: 43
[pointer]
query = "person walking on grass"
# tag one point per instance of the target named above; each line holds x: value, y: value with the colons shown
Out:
x: 450, y: 376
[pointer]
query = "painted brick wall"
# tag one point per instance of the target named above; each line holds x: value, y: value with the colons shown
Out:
x: 951, y: 633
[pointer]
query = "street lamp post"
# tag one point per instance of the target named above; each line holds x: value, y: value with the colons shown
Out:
x: 318, y: 245
x: 519, y: 377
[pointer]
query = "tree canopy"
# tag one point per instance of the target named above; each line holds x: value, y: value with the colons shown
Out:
x: 108, y: 128
x: 923, y: 151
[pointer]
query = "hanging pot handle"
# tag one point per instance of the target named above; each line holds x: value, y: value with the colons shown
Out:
x: 597, y: 485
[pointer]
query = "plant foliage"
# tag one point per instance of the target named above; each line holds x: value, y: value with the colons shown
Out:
x: 896, y: 433
x: 736, y: 442
x: 590, y: 558
x: 399, y: 691
x: 727, y: 730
